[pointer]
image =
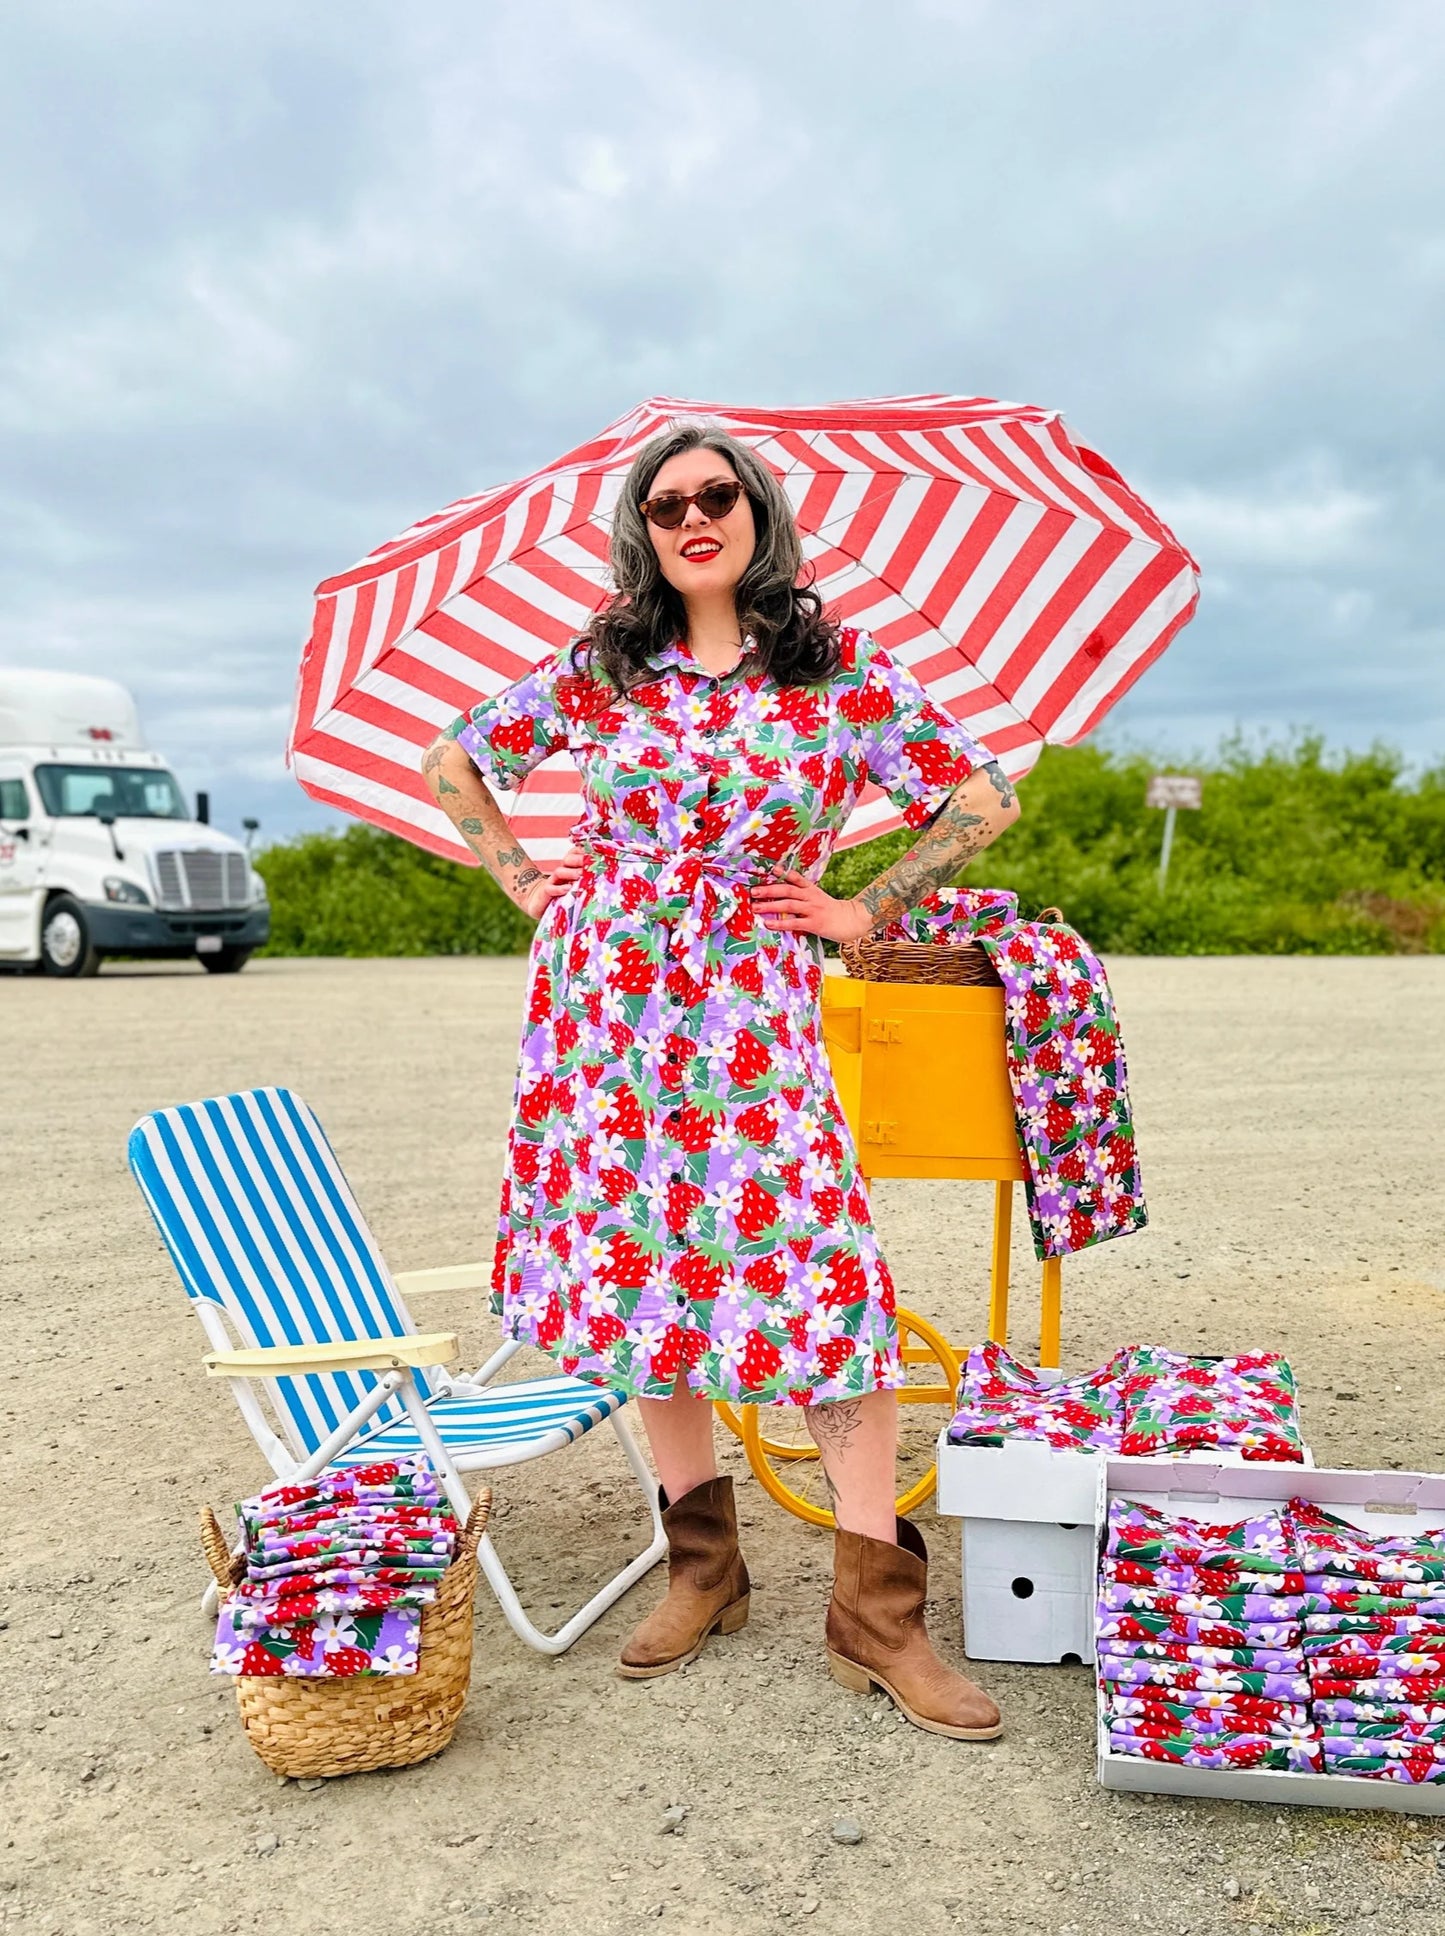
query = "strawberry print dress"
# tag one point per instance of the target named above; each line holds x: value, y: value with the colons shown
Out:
x: 682, y: 1196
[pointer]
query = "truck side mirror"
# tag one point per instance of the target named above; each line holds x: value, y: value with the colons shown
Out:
x: 203, y: 809
x: 106, y: 817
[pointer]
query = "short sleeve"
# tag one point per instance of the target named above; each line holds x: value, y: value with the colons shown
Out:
x: 508, y: 735
x: 917, y: 752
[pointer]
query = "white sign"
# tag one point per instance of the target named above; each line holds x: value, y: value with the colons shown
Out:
x: 1175, y: 790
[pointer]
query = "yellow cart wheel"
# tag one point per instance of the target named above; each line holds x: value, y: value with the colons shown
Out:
x: 785, y: 1459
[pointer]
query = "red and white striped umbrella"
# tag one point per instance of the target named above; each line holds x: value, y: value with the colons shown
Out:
x: 1013, y: 570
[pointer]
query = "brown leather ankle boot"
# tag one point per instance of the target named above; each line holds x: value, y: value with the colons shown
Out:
x: 876, y: 1637
x: 707, y: 1584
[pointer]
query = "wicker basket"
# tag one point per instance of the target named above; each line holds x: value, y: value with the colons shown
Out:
x: 954, y: 965
x: 343, y: 1727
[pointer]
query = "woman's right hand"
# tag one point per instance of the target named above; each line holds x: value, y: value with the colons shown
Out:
x: 548, y: 887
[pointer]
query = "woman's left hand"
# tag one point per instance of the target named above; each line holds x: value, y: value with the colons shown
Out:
x: 789, y: 900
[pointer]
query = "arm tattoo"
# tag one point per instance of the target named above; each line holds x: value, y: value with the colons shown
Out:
x: 470, y: 825
x: 511, y: 857
x: 434, y: 755
x: 444, y: 785
x: 999, y: 781
x: 526, y: 878
x: 952, y: 840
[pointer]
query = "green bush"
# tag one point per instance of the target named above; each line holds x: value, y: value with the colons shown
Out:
x: 364, y: 892
x: 1295, y: 851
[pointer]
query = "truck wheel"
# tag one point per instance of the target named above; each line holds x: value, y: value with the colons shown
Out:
x: 230, y: 961
x: 65, y: 944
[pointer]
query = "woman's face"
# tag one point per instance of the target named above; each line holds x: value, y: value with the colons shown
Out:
x: 703, y: 556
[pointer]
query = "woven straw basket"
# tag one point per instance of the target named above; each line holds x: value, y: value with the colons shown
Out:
x: 961, y: 965
x: 343, y: 1727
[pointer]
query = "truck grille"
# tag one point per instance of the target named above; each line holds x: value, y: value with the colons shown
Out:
x: 197, y: 877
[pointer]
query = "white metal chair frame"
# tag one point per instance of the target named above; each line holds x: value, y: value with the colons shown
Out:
x: 239, y: 1367
x: 341, y: 1345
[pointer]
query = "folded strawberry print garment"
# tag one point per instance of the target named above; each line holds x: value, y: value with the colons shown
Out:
x: 1271, y: 1660
x: 1174, y: 1718
x: 1419, y: 1764
x: 1246, y: 1404
x: 1220, y: 1680
x: 1301, y: 1754
x: 1223, y: 1581
x: 1196, y: 1708
x: 1183, y: 1628
x: 1398, y: 1712
x: 1065, y: 1060
x: 332, y: 1645
x: 1328, y: 1544
x: 1416, y: 1647
x: 1233, y: 1608
x: 1320, y: 1625
x: 1153, y: 1537
x: 1404, y: 1731
x: 1001, y: 1398
x: 1145, y: 1400
x: 1338, y: 1595
x: 342, y: 1593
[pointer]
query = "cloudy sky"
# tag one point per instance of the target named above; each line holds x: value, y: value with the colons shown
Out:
x: 278, y: 280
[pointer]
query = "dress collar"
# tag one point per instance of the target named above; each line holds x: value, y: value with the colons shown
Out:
x: 677, y: 656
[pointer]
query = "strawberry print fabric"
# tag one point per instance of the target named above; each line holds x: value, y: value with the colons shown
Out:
x: 1142, y: 1712
x: 1299, y: 1755
x: 337, y: 1573
x: 1144, y: 1401
x: 1148, y: 1534
x: 682, y: 1195
x: 1065, y: 1061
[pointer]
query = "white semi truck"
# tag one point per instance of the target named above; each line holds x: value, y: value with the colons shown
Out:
x: 99, y: 852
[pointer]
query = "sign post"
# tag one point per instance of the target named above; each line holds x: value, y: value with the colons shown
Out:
x: 1172, y: 791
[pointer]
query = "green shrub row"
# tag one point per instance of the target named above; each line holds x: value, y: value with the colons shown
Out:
x: 1295, y: 851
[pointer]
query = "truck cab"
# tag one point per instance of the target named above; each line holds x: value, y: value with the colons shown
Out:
x: 99, y: 851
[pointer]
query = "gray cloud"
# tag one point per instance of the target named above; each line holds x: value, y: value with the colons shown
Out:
x: 277, y: 283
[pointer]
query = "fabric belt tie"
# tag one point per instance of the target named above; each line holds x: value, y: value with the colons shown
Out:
x: 698, y: 893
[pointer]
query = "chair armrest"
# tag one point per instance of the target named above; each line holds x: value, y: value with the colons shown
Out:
x: 360, y: 1354
x: 450, y: 1277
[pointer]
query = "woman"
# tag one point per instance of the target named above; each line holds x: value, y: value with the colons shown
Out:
x: 682, y: 1214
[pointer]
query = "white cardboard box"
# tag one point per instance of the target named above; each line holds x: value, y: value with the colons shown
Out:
x: 1218, y: 1491
x: 1028, y: 1544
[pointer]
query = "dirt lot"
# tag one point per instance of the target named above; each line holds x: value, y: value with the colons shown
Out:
x: 1292, y: 1115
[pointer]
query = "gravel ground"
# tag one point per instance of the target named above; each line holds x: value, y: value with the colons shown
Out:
x: 1291, y: 1116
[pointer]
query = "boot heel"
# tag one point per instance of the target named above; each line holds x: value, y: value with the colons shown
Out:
x: 733, y: 1618
x: 849, y: 1676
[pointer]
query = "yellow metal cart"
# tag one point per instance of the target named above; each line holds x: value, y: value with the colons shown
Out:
x: 922, y: 1076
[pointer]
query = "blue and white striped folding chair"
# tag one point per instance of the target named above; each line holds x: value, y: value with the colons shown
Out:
x: 293, y: 1294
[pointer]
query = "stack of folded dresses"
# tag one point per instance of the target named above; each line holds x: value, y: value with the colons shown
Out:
x: 338, y: 1571
x: 1144, y: 1401
x: 1199, y: 1642
x: 1374, y: 1645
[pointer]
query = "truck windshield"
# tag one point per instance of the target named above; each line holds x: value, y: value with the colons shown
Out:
x: 129, y: 792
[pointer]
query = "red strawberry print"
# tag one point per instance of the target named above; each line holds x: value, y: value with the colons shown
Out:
x: 694, y: 1129
x: 345, y: 1662
x: 627, y: 1263
x: 516, y: 736
x: 699, y: 1276
x: 592, y: 1005
x: 850, y: 1283
x: 679, y: 1052
x: 567, y: 1034
x: 757, y: 1123
x: 761, y: 1361
x: 534, y: 1103
x: 255, y: 1660
x: 937, y: 763
x: 798, y: 1331
x: 750, y: 1060
x: 587, y: 1220
x: 739, y: 923
x: 616, y: 1185
x: 828, y: 1203
x: 867, y: 704
x: 682, y: 1200
x: 562, y: 1097
x: 792, y: 1175
x: 592, y: 1073
x: 801, y: 1247
x: 539, y: 1009
x: 758, y: 1212
x: 747, y: 975
x: 766, y: 1276
x: 526, y: 1162
x: 620, y: 1036
x: 636, y: 972
x: 834, y: 1353
x: 624, y: 1116
x: 683, y: 989
x: 604, y: 1329
x: 792, y: 1094
x: 552, y: 1323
